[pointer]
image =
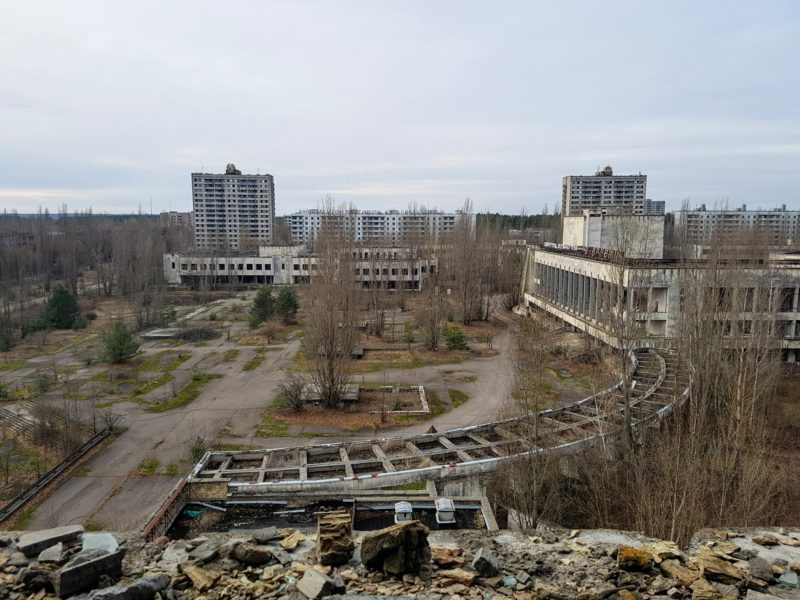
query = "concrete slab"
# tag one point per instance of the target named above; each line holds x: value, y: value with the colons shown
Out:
x: 31, y: 544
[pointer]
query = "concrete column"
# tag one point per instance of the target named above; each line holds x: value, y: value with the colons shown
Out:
x: 584, y: 294
x: 571, y: 289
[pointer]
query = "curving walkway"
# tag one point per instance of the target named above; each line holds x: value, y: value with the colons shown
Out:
x: 370, y: 464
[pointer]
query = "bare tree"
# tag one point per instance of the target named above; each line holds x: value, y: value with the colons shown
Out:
x: 332, y: 332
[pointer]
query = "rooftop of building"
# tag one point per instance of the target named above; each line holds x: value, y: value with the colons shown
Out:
x: 783, y: 258
x: 739, y: 209
x: 231, y: 171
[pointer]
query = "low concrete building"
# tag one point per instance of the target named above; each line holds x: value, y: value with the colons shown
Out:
x: 387, y: 268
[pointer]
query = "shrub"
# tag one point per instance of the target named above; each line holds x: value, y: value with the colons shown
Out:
x: 198, y: 448
x: 37, y: 324
x: 6, y: 342
x: 263, y: 306
x: 61, y: 308
x: 454, y: 337
x: 408, y: 333
x: 80, y: 322
x: 287, y: 305
x: 166, y: 315
x: 291, y: 391
x: 120, y: 342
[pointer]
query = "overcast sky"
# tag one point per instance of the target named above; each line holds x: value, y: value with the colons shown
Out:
x: 112, y: 105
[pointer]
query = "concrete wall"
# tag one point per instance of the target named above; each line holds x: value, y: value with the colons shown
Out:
x: 197, y: 489
x: 638, y: 236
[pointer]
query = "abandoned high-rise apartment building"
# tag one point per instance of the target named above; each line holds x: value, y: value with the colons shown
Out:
x: 233, y: 211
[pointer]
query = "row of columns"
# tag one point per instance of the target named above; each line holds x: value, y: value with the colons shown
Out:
x: 581, y: 294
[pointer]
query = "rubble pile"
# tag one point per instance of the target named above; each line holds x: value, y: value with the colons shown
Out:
x: 402, y: 561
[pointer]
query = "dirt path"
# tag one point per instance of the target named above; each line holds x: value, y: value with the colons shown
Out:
x: 107, y: 495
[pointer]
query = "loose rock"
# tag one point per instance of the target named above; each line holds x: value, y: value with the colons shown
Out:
x: 633, y: 559
x: 252, y: 554
x: 398, y: 549
x: 334, y: 539
x: 202, y: 579
x: 315, y: 585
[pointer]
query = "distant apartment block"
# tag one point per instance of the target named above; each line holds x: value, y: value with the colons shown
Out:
x: 392, y: 226
x: 17, y: 239
x: 606, y: 192
x: 176, y: 219
x: 233, y: 211
x: 777, y: 227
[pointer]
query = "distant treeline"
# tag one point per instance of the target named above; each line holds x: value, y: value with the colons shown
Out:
x: 518, y: 221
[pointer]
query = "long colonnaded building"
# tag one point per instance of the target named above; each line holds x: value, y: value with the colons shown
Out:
x: 578, y: 285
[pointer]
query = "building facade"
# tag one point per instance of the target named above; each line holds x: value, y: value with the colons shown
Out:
x: 176, y: 219
x: 636, y: 236
x: 392, y: 226
x: 778, y: 227
x: 606, y: 192
x: 385, y: 268
x: 233, y: 211
x: 580, y: 287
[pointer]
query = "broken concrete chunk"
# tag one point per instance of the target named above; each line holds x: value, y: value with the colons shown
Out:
x: 789, y: 579
x: 31, y: 544
x: 448, y: 557
x: 83, y: 572
x: 760, y: 569
x: 53, y: 554
x: 717, y: 569
x: 672, y: 568
x: 766, y: 540
x: 398, y: 549
x: 291, y: 541
x: 281, y: 556
x: 265, y: 534
x: 202, y: 579
x: 141, y: 589
x: 205, y: 552
x: 252, y: 554
x: 633, y: 559
x: 334, y: 539
x: 103, y: 541
x: 315, y: 585
x: 703, y: 590
x: 461, y: 576
x: 34, y: 578
x: 663, y: 550
x: 485, y: 563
